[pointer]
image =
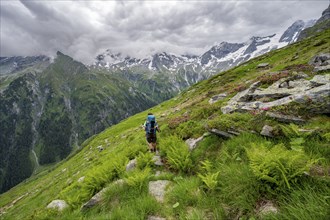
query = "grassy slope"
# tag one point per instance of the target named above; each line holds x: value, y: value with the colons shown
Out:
x: 237, y: 192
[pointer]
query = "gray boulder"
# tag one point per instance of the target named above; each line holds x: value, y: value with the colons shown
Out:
x: 58, y: 204
x: 263, y: 65
x: 96, y: 199
x: 267, y: 131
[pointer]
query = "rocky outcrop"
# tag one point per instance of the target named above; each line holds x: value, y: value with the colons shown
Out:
x: 58, y: 204
x: 283, y: 92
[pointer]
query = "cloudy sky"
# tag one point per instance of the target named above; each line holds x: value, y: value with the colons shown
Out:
x: 83, y: 29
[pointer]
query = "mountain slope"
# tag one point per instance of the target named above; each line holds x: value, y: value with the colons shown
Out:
x: 221, y: 178
x: 47, y: 110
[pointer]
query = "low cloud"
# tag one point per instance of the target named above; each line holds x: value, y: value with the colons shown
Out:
x: 140, y: 28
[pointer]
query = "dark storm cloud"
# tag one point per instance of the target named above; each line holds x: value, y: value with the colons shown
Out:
x: 84, y: 29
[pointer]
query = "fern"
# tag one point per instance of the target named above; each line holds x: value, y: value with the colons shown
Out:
x: 278, y: 166
x: 144, y: 160
x: 137, y: 178
x: 210, y: 179
x: 291, y: 130
x: 177, y: 153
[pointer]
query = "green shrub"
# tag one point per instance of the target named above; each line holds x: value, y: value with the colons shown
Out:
x: 177, y: 153
x: 277, y: 167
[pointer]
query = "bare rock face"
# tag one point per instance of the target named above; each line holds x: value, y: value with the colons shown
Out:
x: 58, y: 204
x: 157, y: 189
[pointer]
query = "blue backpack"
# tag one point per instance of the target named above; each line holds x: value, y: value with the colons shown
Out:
x: 151, y: 124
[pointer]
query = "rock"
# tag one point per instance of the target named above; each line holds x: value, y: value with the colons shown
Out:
x: 96, y: 199
x: 119, y: 182
x: 131, y: 165
x: 81, y: 179
x: 298, y: 90
x: 267, y: 131
x: 216, y: 98
x: 263, y: 65
x: 220, y: 133
x: 321, y: 68
x: 266, y: 208
x: 319, y: 80
x: 285, y: 118
x: 155, y: 218
x: 58, y: 204
x: 192, y: 143
x: 100, y: 148
x: 157, y: 189
x: 319, y: 59
x: 157, y: 160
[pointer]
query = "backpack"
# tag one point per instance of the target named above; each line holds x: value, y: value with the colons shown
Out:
x: 151, y: 124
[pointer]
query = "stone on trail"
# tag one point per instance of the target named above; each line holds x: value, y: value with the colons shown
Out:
x: 158, y: 160
x: 157, y: 189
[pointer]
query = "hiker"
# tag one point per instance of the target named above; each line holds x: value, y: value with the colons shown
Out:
x: 151, y: 127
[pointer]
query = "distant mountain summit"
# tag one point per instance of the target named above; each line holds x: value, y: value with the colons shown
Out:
x: 185, y: 70
x: 292, y: 33
x: 321, y: 24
